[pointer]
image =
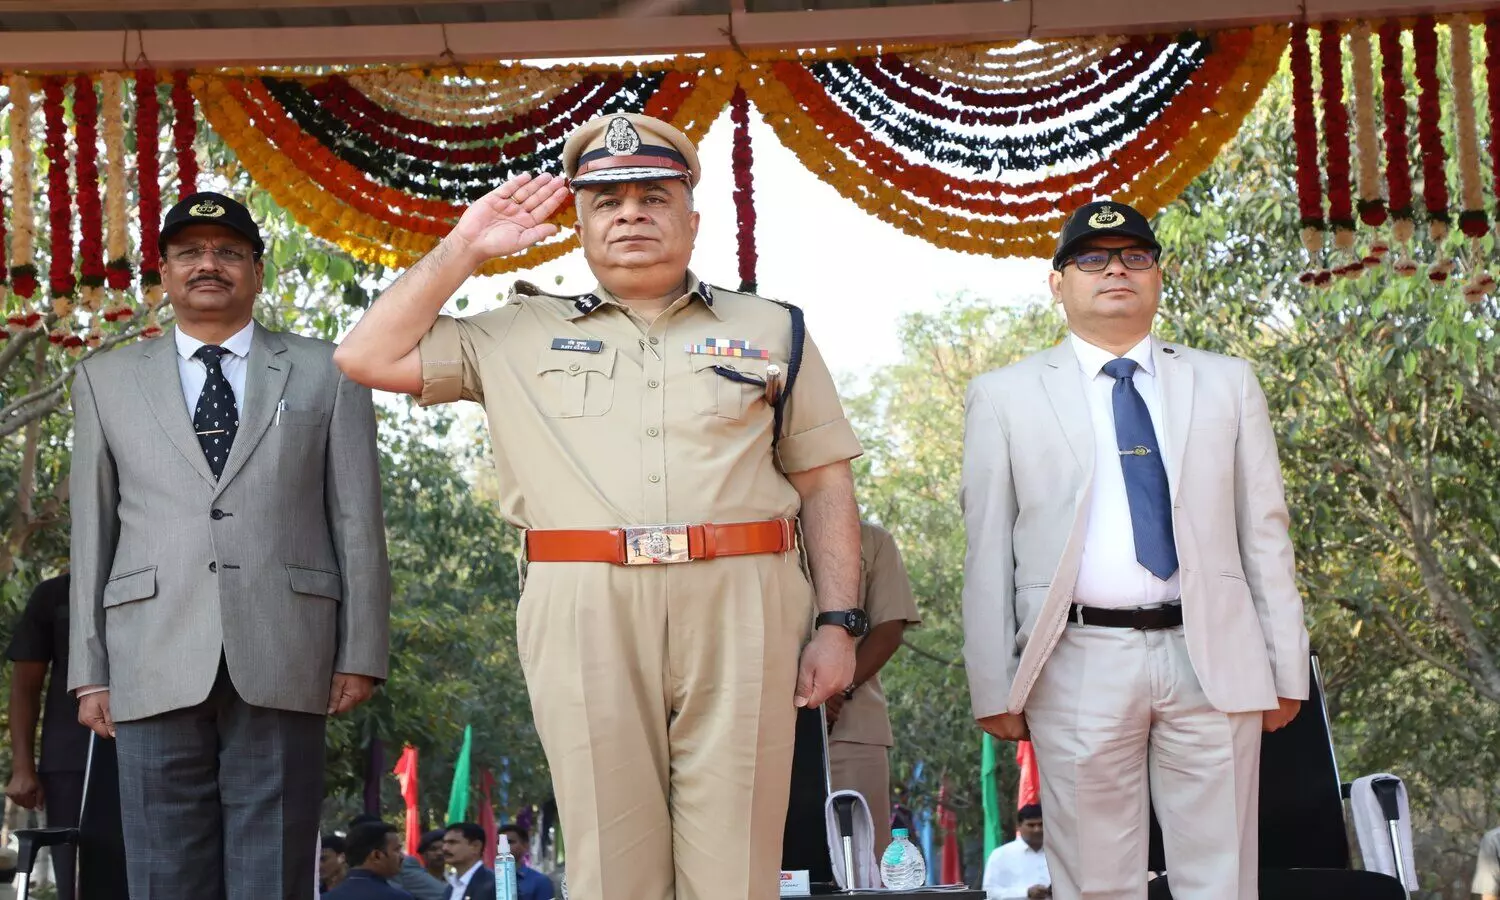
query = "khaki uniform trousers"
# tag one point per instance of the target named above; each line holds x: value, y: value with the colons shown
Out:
x: 1114, y: 712
x: 865, y: 768
x: 663, y: 696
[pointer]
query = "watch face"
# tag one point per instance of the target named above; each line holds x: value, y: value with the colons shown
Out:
x: 857, y: 621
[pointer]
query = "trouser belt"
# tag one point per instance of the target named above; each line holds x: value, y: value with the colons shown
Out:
x: 1142, y: 619
x: 637, y: 545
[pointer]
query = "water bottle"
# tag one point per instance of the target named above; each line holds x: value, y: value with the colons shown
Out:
x: 505, y: 871
x: 901, y: 866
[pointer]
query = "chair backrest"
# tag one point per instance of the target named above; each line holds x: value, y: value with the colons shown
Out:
x: 1301, y: 807
x: 805, y: 839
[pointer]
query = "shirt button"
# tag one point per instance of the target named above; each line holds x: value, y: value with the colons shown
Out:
x: 651, y: 431
x: 652, y: 383
x: 653, y: 478
x: 216, y: 515
x: 656, y: 340
x: 573, y: 367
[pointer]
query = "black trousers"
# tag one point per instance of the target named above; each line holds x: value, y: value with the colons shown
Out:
x: 221, y: 801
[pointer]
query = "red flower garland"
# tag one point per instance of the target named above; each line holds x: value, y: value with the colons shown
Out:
x: 59, y: 198
x: 1305, y: 131
x: 1492, y: 78
x: 744, y: 197
x: 1336, y: 127
x: 1429, y: 128
x: 1397, y: 160
x: 184, y: 132
x: 148, y: 171
x: 90, y: 210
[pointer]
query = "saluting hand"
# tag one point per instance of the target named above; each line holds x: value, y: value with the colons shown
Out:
x: 513, y: 216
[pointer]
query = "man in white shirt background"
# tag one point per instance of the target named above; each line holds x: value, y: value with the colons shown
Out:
x: 1018, y: 870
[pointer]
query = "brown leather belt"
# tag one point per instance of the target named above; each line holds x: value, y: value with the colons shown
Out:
x: 639, y: 545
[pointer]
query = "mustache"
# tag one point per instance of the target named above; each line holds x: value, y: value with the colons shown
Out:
x: 208, y: 279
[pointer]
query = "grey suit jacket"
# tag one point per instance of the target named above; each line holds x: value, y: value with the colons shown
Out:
x: 1028, y: 471
x: 280, y: 564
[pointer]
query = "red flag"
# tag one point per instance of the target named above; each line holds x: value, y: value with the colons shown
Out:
x: 406, y: 776
x: 1029, y: 790
x: 952, y: 869
x: 487, y: 816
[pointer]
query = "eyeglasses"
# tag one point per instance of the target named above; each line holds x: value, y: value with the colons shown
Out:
x: 192, y: 256
x: 1136, y: 258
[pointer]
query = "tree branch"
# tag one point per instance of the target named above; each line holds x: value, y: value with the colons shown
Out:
x: 1411, y: 646
x: 926, y: 654
x: 12, y: 417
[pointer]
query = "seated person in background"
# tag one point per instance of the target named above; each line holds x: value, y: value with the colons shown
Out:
x: 1018, y: 870
x: 332, y: 869
x: 530, y: 884
x: 373, y: 852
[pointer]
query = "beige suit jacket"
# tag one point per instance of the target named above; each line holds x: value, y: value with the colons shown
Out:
x: 1028, y: 471
x: 279, y: 565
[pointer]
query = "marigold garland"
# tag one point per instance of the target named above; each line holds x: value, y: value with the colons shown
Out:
x: 117, y: 269
x: 148, y: 175
x: 23, y: 271
x: 1397, y: 158
x: 741, y: 159
x: 59, y: 198
x: 1371, y: 203
x: 1472, y: 219
x: 1429, y: 128
x: 184, y: 135
x: 1305, y: 140
x: 1336, y: 127
x: 1492, y: 83
x: 90, y: 211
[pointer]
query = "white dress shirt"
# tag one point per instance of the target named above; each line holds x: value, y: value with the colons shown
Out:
x: 1108, y: 573
x: 1013, y: 868
x: 234, y: 364
x: 460, y: 883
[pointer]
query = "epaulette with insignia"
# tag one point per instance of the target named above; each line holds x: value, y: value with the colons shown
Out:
x: 584, y: 303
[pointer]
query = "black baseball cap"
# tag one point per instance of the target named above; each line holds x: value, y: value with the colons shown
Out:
x: 208, y: 208
x: 432, y: 837
x: 1102, y: 218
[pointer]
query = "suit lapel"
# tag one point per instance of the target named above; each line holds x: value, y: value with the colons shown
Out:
x: 161, y: 385
x: 266, y: 373
x: 1175, y: 376
x: 1065, y: 389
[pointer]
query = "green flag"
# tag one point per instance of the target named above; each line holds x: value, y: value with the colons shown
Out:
x: 990, y: 791
x: 458, y: 797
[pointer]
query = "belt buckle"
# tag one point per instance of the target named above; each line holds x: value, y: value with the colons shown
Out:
x: 647, y: 545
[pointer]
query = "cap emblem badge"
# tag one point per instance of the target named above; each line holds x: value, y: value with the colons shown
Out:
x: 206, y: 210
x: 621, y: 138
x: 1107, y: 217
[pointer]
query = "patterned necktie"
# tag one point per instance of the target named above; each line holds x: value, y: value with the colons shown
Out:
x: 216, y: 419
x: 1145, y: 476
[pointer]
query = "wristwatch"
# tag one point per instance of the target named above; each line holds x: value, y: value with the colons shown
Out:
x: 854, y: 621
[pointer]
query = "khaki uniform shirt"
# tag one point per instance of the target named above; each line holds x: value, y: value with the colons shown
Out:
x: 1487, y: 865
x: 601, y: 419
x: 885, y: 594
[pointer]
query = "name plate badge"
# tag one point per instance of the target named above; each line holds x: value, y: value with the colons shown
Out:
x: 795, y: 884
x: 581, y: 345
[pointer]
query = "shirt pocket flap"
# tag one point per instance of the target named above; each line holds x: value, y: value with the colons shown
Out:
x: 575, y: 362
x: 130, y: 586
x: 317, y: 582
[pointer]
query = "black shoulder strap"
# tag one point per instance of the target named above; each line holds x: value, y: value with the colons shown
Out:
x: 794, y: 363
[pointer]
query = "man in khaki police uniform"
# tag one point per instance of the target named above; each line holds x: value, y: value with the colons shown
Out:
x: 665, y: 695
x: 860, y: 738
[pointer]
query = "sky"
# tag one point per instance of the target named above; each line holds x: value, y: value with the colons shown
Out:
x: 851, y: 273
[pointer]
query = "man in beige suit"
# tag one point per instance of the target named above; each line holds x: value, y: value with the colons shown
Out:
x: 1129, y: 601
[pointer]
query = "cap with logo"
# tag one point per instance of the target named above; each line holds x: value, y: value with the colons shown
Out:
x: 628, y: 147
x: 208, y: 208
x: 1102, y: 218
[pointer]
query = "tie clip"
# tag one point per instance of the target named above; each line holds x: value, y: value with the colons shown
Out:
x: 215, y: 431
x: 1136, y: 451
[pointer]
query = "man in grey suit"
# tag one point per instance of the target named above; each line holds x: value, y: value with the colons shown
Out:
x: 230, y: 582
x: 1129, y: 596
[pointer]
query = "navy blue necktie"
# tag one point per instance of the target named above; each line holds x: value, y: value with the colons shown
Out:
x: 215, y: 418
x: 1145, y: 475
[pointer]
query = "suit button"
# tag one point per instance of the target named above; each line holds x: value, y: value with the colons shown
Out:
x: 213, y: 567
x: 216, y: 515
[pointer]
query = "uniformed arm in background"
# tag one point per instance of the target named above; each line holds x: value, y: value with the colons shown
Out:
x: 381, y: 352
x: 26, y: 679
x: 1266, y: 552
x: 93, y: 506
x: 352, y: 496
x: 989, y: 506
